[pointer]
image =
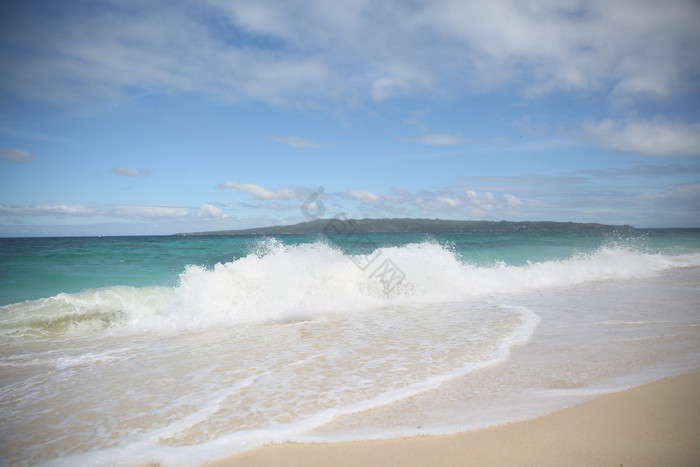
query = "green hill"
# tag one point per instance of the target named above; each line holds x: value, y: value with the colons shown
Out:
x: 333, y: 226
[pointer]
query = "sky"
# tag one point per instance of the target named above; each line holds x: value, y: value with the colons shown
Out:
x: 158, y: 117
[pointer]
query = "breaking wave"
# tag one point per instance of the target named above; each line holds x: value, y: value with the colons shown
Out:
x: 284, y: 283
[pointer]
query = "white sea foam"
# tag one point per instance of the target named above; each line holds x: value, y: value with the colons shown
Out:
x: 283, y: 283
x: 287, y: 283
x: 470, y: 345
x: 290, y: 341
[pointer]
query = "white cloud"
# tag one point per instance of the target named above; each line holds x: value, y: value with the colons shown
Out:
x: 123, y: 211
x: 446, y: 202
x: 513, y: 201
x: 468, y: 203
x: 278, y: 205
x: 365, y: 196
x: 294, y: 53
x: 147, y: 211
x: 657, y: 137
x: 161, y: 47
x: 129, y: 172
x: 259, y: 17
x: 629, y: 46
x: 600, y: 196
x: 260, y: 192
x: 297, y: 142
x: 16, y: 155
x: 57, y: 210
x: 399, y: 80
x: 210, y: 211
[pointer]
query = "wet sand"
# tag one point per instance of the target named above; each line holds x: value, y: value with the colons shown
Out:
x: 657, y: 424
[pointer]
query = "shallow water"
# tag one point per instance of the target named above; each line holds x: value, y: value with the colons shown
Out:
x: 308, y: 338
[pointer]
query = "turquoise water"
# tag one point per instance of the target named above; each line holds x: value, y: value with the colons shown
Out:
x: 32, y: 268
x: 41, y: 267
x: 181, y: 350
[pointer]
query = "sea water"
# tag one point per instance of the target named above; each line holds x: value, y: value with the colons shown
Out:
x: 181, y: 350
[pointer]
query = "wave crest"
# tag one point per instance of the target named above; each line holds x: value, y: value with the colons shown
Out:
x: 284, y: 283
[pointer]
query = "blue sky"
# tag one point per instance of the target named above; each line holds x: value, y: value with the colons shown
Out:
x: 131, y: 117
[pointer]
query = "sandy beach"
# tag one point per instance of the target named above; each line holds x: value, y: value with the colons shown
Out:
x: 657, y: 424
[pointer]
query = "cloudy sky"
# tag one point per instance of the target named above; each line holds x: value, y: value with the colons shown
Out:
x: 156, y: 117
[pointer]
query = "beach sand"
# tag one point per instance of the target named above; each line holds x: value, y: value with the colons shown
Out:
x: 657, y: 424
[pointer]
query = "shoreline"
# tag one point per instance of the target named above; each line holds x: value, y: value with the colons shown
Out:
x: 655, y: 424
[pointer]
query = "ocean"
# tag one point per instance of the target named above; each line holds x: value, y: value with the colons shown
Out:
x: 184, y: 349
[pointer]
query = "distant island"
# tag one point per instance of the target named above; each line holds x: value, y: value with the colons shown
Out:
x: 340, y: 226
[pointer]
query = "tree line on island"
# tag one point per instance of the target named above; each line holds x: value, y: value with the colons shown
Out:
x: 412, y: 226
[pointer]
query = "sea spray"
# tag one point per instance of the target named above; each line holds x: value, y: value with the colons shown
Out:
x: 285, y: 283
